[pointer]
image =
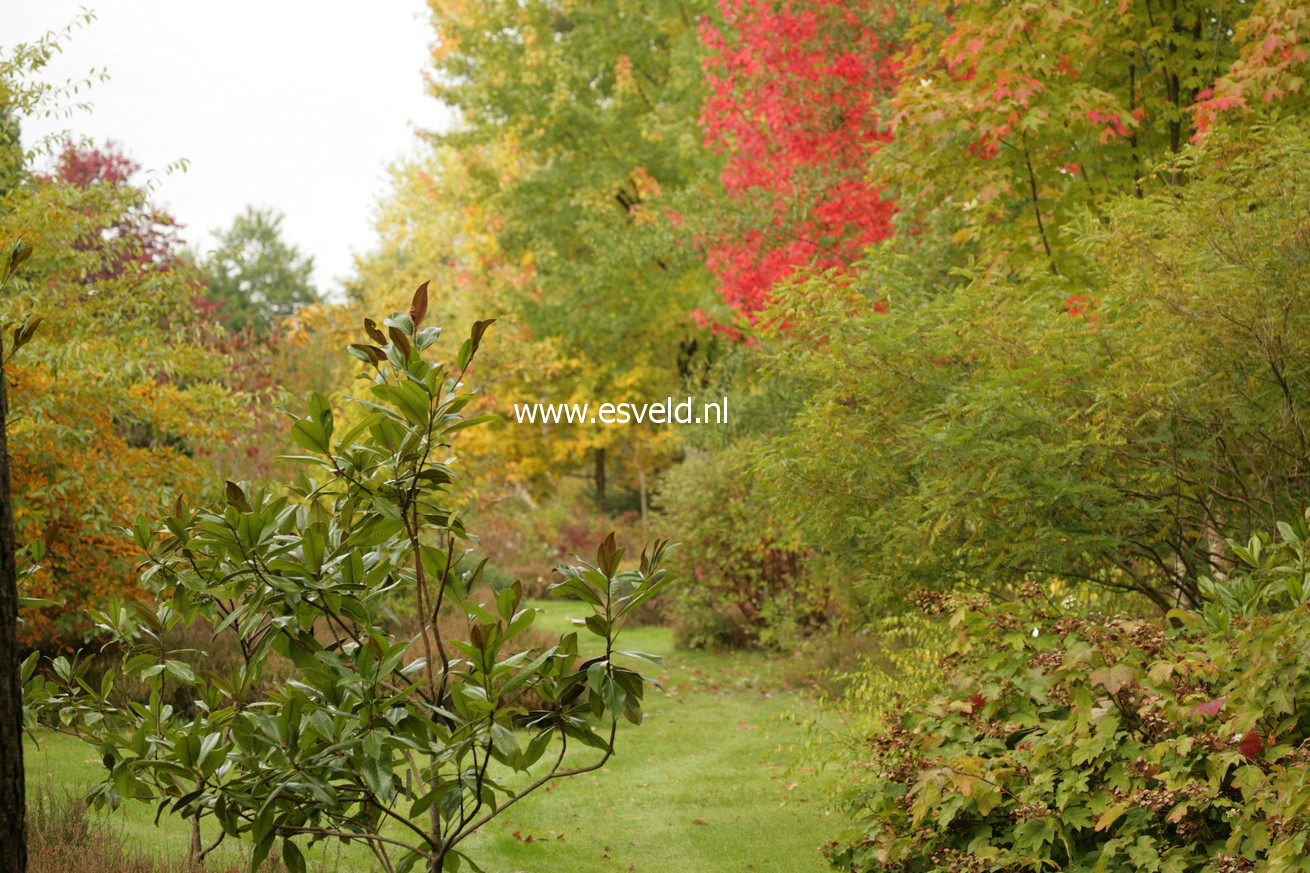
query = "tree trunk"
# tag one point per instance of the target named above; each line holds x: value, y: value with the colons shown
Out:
x: 13, y: 797
x: 600, y: 481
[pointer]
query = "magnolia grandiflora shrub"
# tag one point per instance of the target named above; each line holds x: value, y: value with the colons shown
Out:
x: 1069, y: 742
x: 405, y: 744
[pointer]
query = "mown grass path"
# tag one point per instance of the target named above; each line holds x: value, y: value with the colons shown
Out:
x: 707, y: 784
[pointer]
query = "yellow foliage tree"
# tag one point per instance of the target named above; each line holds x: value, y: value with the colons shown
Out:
x: 118, y: 406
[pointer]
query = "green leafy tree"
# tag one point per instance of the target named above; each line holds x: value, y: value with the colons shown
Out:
x: 581, y: 149
x: 255, y: 276
x: 1011, y: 119
x: 1116, y: 432
x: 404, y: 744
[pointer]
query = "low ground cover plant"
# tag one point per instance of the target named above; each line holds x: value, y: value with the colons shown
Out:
x: 1095, y: 742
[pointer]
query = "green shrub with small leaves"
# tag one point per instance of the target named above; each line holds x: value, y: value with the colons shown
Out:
x: 1115, y: 429
x: 1085, y: 742
x: 407, y: 743
x: 747, y: 577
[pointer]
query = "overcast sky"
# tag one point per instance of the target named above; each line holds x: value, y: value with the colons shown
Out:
x: 294, y: 104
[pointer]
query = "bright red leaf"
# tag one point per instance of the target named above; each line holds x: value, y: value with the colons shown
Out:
x: 1250, y: 745
x: 1211, y: 707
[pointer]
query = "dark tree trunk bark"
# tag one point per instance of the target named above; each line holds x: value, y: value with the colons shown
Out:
x: 600, y: 481
x: 13, y: 797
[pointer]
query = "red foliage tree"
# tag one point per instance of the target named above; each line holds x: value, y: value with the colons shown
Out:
x: 141, y: 237
x: 793, y: 89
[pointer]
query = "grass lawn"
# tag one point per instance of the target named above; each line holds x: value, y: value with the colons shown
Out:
x: 704, y: 785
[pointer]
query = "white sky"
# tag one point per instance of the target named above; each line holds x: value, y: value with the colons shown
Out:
x: 294, y: 104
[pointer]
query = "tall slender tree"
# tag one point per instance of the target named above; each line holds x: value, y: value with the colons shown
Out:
x: 13, y: 791
x: 15, y: 96
x: 579, y: 124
